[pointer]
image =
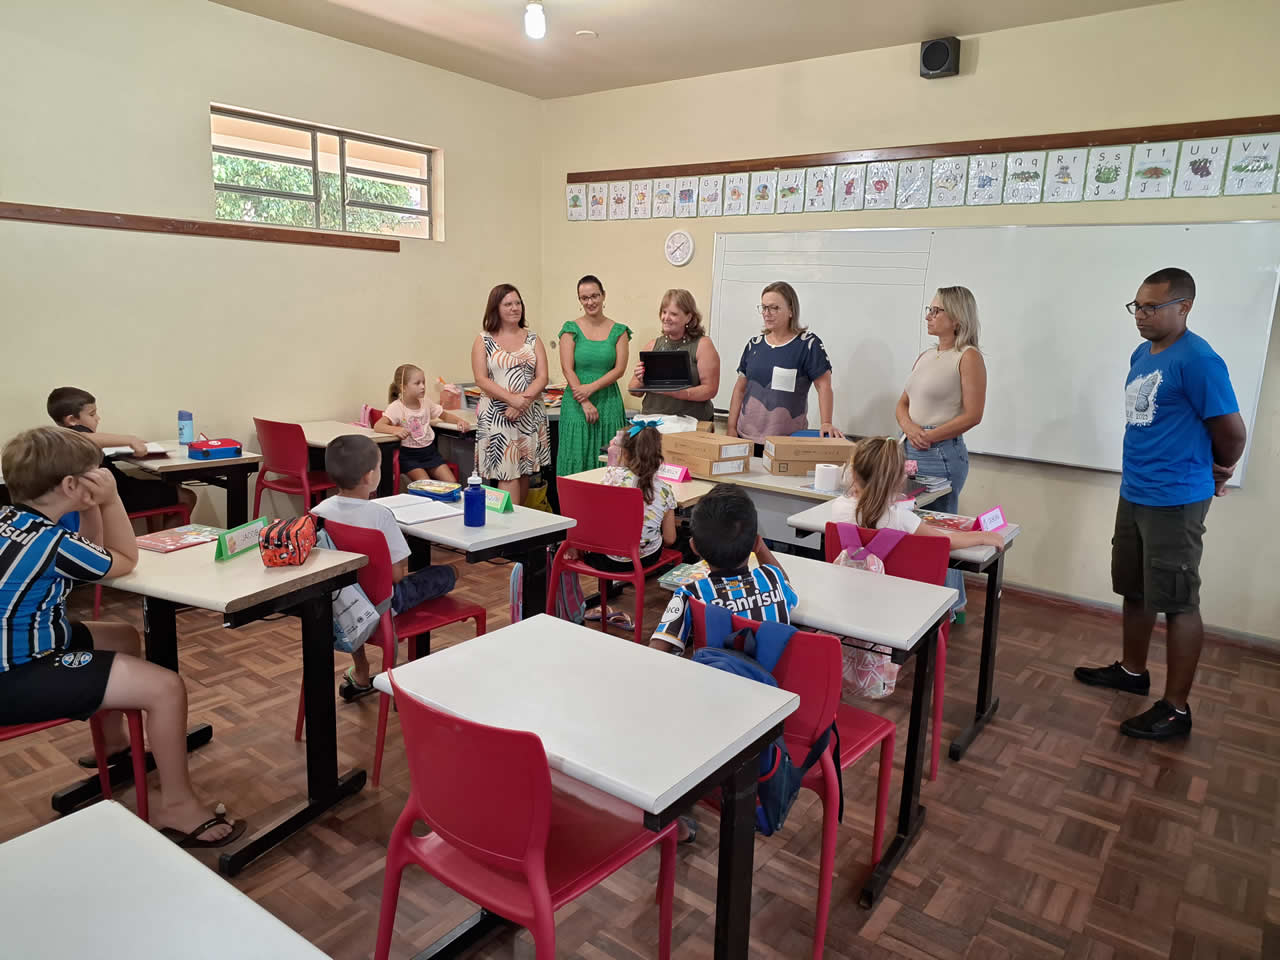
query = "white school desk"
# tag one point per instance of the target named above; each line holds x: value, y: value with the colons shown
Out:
x: 319, y: 433
x: 101, y: 883
x: 521, y: 535
x: 243, y: 591
x: 687, y: 493
x: 903, y: 615
x: 980, y: 560
x: 777, y: 498
x: 590, y: 697
x: 230, y: 473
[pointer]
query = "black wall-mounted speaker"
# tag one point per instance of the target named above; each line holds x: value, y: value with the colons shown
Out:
x: 940, y: 58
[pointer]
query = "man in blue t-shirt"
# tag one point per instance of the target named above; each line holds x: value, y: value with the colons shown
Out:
x: 1182, y: 438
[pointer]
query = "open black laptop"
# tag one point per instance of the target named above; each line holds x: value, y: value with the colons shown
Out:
x: 666, y: 370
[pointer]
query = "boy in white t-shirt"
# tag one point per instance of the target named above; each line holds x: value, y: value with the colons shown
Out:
x: 354, y: 463
x: 878, y: 471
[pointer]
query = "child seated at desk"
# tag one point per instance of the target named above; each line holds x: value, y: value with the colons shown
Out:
x: 408, y: 416
x: 640, y: 456
x: 724, y: 535
x: 877, y: 469
x: 53, y: 667
x: 354, y: 463
x: 77, y: 410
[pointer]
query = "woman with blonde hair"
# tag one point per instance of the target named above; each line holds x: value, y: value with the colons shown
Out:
x: 682, y: 330
x: 945, y: 396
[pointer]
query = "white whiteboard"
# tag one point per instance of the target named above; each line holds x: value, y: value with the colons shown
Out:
x: 1055, y: 334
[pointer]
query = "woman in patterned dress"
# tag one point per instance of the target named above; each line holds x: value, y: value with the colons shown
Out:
x: 593, y: 357
x: 510, y: 368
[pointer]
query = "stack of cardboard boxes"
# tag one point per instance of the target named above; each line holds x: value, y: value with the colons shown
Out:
x: 706, y: 454
x: 798, y: 456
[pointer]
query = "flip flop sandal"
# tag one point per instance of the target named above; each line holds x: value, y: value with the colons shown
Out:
x: 691, y: 825
x: 351, y: 691
x: 621, y: 620
x: 592, y: 615
x: 192, y: 841
x: 90, y: 762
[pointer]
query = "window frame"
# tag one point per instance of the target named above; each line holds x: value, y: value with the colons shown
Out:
x: 314, y: 198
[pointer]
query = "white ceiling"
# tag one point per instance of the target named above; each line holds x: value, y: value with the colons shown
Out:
x: 648, y: 41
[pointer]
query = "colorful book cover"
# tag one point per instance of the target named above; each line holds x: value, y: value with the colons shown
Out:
x: 952, y: 521
x: 178, y: 538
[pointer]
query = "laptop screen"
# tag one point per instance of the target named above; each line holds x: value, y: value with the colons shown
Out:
x: 666, y: 366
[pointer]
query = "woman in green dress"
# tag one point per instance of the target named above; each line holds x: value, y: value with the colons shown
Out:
x: 593, y: 357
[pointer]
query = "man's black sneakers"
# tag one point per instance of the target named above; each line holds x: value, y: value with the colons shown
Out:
x: 1116, y: 677
x: 1161, y: 722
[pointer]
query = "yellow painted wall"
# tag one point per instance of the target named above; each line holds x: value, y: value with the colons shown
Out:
x: 105, y: 106
x: 1183, y: 61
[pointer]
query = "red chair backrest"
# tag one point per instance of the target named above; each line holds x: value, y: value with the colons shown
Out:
x: 485, y: 790
x: 374, y: 415
x: 914, y: 558
x: 283, y: 446
x: 610, y: 519
x: 810, y: 667
x: 375, y: 577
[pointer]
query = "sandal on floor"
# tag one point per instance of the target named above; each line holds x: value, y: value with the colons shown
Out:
x: 192, y: 841
x: 90, y: 762
x: 351, y: 691
x: 621, y: 620
x: 691, y: 825
x: 592, y: 615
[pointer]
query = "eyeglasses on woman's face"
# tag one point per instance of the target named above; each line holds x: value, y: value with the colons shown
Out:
x: 931, y: 311
x: 590, y: 297
x: 769, y: 309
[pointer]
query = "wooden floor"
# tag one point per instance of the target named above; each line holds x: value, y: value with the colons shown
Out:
x: 1055, y: 837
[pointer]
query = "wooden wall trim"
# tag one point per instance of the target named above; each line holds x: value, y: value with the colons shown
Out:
x: 1237, y: 126
x: 222, y: 229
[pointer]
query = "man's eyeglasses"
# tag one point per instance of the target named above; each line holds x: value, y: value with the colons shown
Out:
x: 1147, y: 309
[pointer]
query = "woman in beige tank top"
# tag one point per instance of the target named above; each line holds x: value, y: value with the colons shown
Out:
x: 945, y: 396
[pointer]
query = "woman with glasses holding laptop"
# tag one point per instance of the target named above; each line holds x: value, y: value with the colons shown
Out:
x: 771, y: 397
x: 945, y: 395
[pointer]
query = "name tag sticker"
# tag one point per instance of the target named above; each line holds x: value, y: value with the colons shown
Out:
x: 993, y: 519
x: 784, y: 379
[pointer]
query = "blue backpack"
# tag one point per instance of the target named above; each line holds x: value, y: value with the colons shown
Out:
x: 779, y: 780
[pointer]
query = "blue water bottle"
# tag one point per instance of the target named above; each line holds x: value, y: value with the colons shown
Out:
x: 473, y: 507
x: 186, y: 428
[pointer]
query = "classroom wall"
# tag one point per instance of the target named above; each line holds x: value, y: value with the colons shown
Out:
x: 105, y: 107
x: 1183, y: 61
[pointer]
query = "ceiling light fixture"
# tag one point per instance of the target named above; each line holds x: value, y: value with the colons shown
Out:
x: 586, y: 34
x: 535, y: 21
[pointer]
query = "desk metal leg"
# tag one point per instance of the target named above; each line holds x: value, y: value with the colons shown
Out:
x: 737, y: 854
x: 986, y: 707
x: 910, y: 813
x: 535, y: 581
x: 238, y: 495
x: 389, y: 484
x: 324, y: 787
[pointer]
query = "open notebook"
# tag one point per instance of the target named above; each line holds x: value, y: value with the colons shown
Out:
x: 409, y: 508
x: 153, y: 450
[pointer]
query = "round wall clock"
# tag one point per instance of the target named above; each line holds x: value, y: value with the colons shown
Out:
x: 678, y: 248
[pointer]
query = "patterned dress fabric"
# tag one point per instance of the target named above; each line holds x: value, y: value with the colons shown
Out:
x: 509, y: 449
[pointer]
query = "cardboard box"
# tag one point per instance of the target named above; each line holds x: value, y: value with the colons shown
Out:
x: 702, y: 467
x: 791, y: 468
x: 812, y: 449
x: 705, y: 446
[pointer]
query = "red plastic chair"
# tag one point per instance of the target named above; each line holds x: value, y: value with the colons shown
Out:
x: 374, y: 416
x: 502, y: 835
x: 284, y: 452
x: 136, y: 748
x: 179, y: 510
x: 811, y: 668
x: 914, y: 558
x: 610, y: 520
x: 375, y: 579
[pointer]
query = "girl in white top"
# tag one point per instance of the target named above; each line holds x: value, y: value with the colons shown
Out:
x: 640, y: 456
x: 878, y: 472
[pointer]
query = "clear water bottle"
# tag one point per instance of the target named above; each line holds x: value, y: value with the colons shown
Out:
x: 473, y: 508
x: 186, y: 429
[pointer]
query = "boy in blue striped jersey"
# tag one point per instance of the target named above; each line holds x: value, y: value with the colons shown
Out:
x: 53, y: 667
x: 723, y: 533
